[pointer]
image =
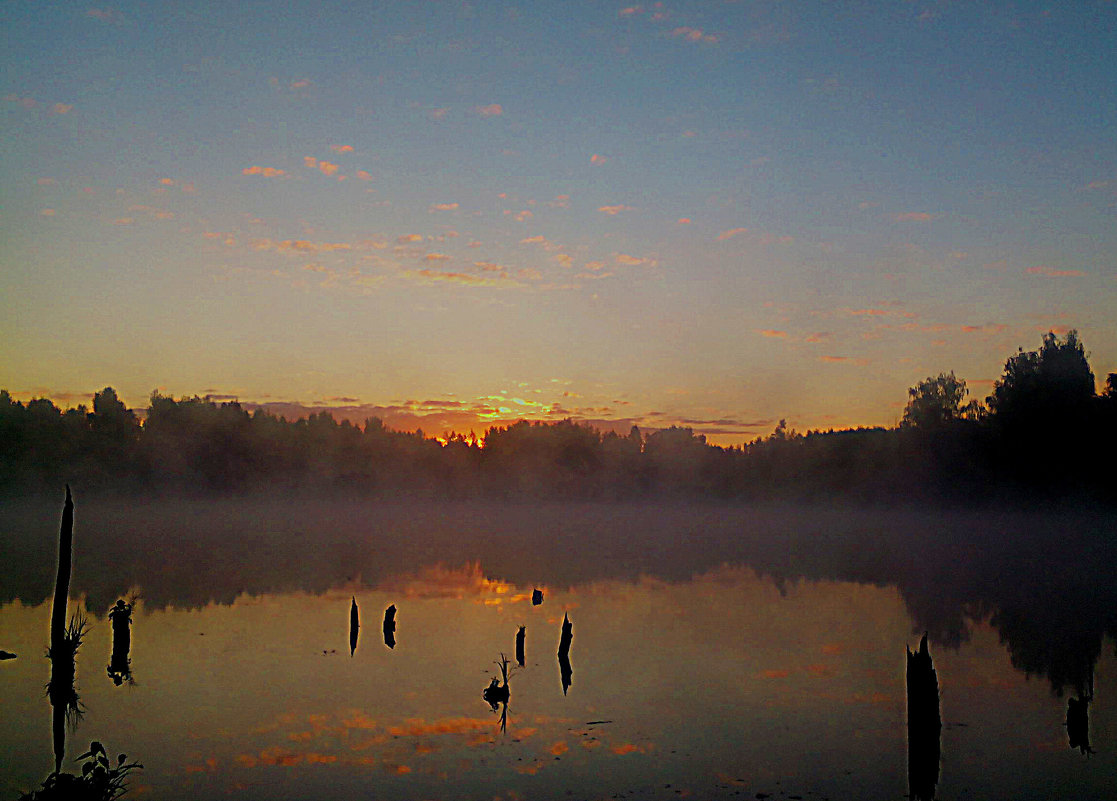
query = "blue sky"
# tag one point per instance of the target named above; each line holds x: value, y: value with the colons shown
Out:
x: 712, y: 213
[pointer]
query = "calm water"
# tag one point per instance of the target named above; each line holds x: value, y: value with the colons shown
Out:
x: 715, y: 653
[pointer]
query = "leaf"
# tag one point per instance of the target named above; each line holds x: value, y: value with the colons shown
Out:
x: 96, y: 747
x: 86, y: 768
x: 120, y: 759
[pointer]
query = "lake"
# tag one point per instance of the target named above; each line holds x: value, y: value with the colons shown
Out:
x: 716, y: 651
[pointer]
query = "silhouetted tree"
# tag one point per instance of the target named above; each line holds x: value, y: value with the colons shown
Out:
x: 1040, y: 387
x: 935, y: 402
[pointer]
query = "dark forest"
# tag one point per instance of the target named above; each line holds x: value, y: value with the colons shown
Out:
x: 1044, y: 434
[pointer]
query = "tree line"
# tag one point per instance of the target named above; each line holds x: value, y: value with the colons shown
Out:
x: 1042, y: 434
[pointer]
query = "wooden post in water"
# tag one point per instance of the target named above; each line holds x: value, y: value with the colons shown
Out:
x: 62, y: 583
x: 61, y: 656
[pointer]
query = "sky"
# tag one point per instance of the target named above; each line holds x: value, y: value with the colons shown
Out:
x: 713, y: 214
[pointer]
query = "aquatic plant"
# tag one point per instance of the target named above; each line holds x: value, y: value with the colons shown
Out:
x: 99, y: 780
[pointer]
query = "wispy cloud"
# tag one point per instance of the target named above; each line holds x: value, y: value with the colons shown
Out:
x: 266, y: 172
x: 1051, y: 272
x: 732, y: 232
x: 408, y: 238
x: 300, y: 246
x: 443, y: 207
x: 632, y: 261
x: 433, y: 257
x: 491, y: 110
x: 104, y: 14
x: 325, y: 167
x: 913, y: 216
x: 614, y: 210
x: 26, y: 102
x: 341, y: 149
x: 987, y: 328
x: 772, y: 333
x: 464, y: 279
x: 694, y: 34
x: 597, y: 158
x: 61, y: 108
x: 843, y: 360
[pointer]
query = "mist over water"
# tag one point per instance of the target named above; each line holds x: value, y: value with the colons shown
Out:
x: 730, y: 648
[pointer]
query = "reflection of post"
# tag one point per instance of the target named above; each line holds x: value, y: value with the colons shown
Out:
x: 1078, y: 723
x: 924, y: 724
x: 62, y: 648
x: 354, y: 625
x: 564, y: 653
x: 120, y: 668
x: 520, y: 645
x: 390, y: 626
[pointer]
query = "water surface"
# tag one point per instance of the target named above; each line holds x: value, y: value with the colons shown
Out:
x: 715, y: 653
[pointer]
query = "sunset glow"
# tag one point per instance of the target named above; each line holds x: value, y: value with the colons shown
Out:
x: 451, y: 215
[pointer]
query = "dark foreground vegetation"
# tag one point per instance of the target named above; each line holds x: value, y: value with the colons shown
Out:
x: 1044, y: 433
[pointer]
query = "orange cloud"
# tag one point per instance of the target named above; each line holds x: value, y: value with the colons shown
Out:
x: 1051, y: 272
x: 529, y: 274
x: 694, y: 34
x: 300, y: 246
x: 436, y: 257
x: 267, y: 172
x: 61, y: 108
x: 341, y: 149
x: 491, y: 110
x: 364, y: 176
x: 843, y: 359
x: 533, y: 240
x: 684, y: 221
x: 559, y: 748
x: 325, y: 167
x: 630, y: 11
x: 47, y: 212
x: 913, y: 216
x: 768, y: 332
x: 598, y: 159
x: 167, y: 181
x: 732, y: 232
x: 993, y: 328
x: 26, y: 102
x: 462, y: 278
x: 632, y: 261
x: 523, y: 216
x: 46, y: 182
x: 409, y: 238
x: 614, y: 210
x: 489, y: 266
x: 124, y: 221
x: 443, y: 206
